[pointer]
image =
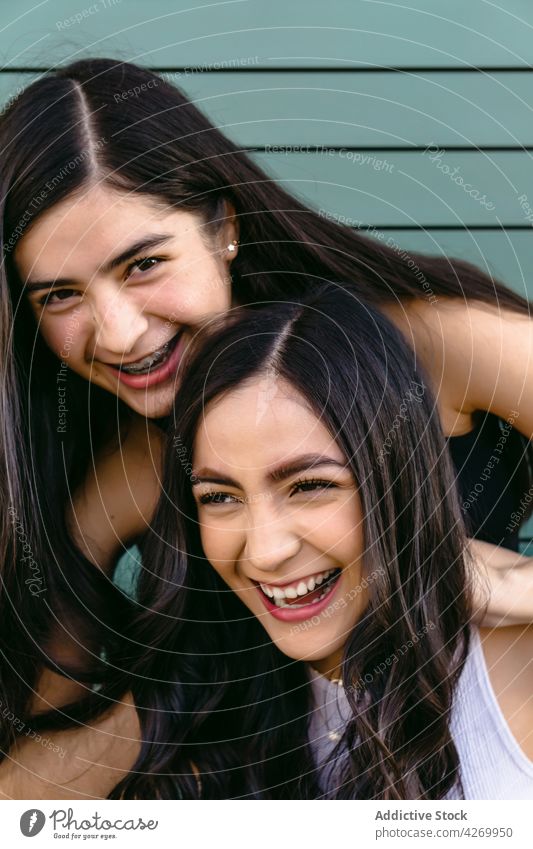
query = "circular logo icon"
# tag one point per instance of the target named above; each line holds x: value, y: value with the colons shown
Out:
x: 32, y: 822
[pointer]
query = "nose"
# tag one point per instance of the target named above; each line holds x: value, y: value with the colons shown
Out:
x: 119, y: 323
x: 270, y: 543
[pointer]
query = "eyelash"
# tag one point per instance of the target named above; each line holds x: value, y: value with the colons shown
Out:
x: 46, y: 299
x: 137, y: 262
x: 307, y: 485
x: 212, y: 498
x: 49, y: 297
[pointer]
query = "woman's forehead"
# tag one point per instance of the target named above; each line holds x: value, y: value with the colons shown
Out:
x: 92, y: 227
x: 260, y: 424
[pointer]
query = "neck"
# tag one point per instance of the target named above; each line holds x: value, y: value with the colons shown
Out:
x: 330, y: 667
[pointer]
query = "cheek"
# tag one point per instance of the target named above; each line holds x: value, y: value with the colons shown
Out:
x: 201, y: 291
x: 350, y: 548
x: 64, y: 336
x: 220, y: 548
x: 339, y: 532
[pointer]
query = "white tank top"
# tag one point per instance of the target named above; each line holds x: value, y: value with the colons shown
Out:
x: 492, y: 764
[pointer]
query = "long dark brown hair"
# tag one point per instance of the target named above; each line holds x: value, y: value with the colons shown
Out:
x: 212, y: 689
x: 69, y: 128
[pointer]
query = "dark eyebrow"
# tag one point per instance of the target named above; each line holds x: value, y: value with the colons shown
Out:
x: 210, y: 476
x: 141, y: 245
x: 303, y: 464
x: 299, y: 464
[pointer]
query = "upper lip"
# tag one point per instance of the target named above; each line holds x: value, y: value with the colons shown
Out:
x: 124, y: 362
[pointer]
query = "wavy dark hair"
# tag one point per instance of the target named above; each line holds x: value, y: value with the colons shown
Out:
x: 66, y: 130
x: 211, y: 688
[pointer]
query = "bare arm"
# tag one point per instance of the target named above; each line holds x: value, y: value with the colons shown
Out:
x: 79, y: 763
x: 503, y: 583
x: 117, y: 500
x: 478, y: 357
x: 112, y: 509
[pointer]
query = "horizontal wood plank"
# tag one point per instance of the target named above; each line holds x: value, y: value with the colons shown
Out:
x: 411, y: 189
x: 361, y: 110
x: 507, y: 257
x: 166, y: 33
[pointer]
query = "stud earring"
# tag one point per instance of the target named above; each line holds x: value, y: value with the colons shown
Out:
x: 233, y: 246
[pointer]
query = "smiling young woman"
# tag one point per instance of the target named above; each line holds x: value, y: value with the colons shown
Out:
x: 134, y: 311
x: 126, y: 227
x: 298, y: 551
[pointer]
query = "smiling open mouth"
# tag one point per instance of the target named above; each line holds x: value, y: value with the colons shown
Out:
x: 302, y: 593
x: 154, y: 360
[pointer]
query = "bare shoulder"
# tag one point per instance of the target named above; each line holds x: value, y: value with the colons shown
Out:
x: 118, y: 497
x: 477, y: 356
x: 79, y: 763
x: 458, y: 325
x: 509, y: 658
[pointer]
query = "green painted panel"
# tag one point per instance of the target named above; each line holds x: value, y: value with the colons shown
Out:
x: 367, y: 109
x: 527, y: 530
x: 305, y: 32
x: 506, y: 256
x: 356, y: 109
x: 127, y: 570
x: 411, y: 188
x: 526, y: 538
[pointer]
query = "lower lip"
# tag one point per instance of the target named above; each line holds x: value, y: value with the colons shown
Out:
x: 300, y: 614
x: 154, y: 376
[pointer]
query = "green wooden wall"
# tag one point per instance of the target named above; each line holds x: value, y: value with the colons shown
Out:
x: 415, y: 119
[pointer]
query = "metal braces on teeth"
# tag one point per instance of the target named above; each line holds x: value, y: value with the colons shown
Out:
x: 146, y: 363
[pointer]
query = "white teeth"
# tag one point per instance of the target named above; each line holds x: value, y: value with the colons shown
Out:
x: 280, y: 602
x: 279, y: 594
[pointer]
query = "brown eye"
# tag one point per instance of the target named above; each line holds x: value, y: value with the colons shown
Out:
x: 312, y: 486
x: 144, y: 264
x: 59, y: 295
x: 217, y: 498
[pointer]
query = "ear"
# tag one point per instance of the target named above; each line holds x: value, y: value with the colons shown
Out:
x: 229, y: 233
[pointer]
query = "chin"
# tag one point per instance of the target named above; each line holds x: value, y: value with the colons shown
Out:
x: 308, y: 651
x: 152, y: 408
